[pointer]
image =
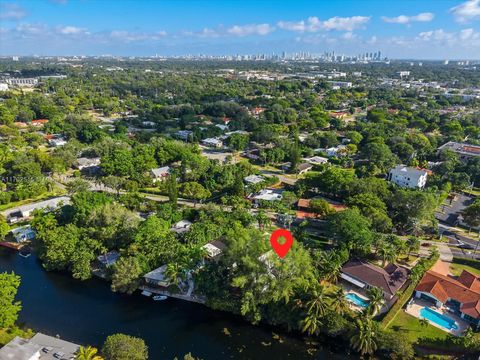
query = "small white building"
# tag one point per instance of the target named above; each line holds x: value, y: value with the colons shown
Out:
x: 83, y: 162
x: 409, y: 177
x: 157, y: 277
x: 57, y: 142
x: 268, y: 195
x: 253, y: 179
x: 160, y: 174
x: 212, y: 142
x: 316, y: 160
x: 336, y: 151
x: 181, y: 227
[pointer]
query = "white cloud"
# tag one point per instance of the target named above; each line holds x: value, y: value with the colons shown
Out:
x: 127, y: 36
x: 404, y: 19
x: 10, y: 11
x: 467, y: 11
x: 71, y: 30
x: 251, y: 29
x: 345, y: 23
x: 314, y: 24
x: 465, y: 38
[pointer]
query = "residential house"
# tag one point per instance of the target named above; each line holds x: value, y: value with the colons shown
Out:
x: 160, y: 174
x: 316, y: 160
x: 183, y: 134
x: 84, y: 163
x: 39, y: 122
x: 57, y: 142
x: 253, y: 179
x: 181, y: 227
x: 409, y: 177
x: 464, y: 151
x: 212, y: 142
x: 364, y: 276
x: 268, y: 195
x: 157, y: 277
x: 23, y: 233
x: 108, y: 259
x: 214, y: 249
x: 39, y: 347
x: 459, y: 295
x: 304, y: 168
x: 336, y: 151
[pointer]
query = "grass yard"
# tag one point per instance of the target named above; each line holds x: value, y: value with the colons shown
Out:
x: 45, y: 196
x: 456, y: 268
x: 413, y: 330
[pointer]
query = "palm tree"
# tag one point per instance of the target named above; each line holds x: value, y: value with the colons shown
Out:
x: 363, y: 340
x: 388, y: 254
x: 262, y: 219
x: 423, y: 322
x: 376, y: 300
x: 87, y: 353
x: 316, y: 308
x: 330, y: 264
x: 413, y: 244
x: 339, y: 303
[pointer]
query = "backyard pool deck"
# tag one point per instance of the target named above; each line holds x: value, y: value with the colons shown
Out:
x: 414, y: 307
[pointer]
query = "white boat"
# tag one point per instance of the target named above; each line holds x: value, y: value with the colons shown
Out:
x: 160, y: 297
x: 146, y: 293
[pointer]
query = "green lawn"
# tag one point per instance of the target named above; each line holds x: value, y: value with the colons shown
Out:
x: 413, y: 330
x: 456, y: 269
x: 47, y: 195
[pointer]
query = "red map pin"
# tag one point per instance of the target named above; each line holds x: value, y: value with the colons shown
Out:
x: 281, y: 249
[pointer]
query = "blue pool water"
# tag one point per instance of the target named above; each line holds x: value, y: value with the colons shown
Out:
x: 357, y: 300
x: 439, y: 319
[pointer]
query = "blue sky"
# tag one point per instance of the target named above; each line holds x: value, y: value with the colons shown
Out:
x: 434, y: 29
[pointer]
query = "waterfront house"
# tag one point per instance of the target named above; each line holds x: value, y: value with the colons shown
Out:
x: 108, y: 259
x: 157, y: 277
x: 23, y: 233
x: 460, y: 295
x: 39, y: 347
x: 363, y: 276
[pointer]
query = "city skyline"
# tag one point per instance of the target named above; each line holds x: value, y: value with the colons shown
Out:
x: 432, y: 30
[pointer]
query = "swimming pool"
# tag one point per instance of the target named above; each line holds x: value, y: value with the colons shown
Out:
x: 439, y: 319
x: 357, y: 300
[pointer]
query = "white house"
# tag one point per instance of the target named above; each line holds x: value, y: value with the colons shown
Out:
x: 160, y: 174
x: 408, y: 176
x: 83, y: 162
x: 316, y: 160
x: 268, y: 195
x: 337, y: 151
x: 57, y: 142
x: 212, y: 142
x: 181, y: 227
x: 253, y: 179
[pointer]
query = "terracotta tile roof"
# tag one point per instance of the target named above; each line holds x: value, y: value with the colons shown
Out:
x: 464, y: 290
x: 390, y: 279
x: 303, y: 203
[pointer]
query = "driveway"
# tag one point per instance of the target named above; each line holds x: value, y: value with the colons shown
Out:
x: 443, y: 249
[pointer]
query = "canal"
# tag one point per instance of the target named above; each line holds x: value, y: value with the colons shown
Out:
x: 87, y: 312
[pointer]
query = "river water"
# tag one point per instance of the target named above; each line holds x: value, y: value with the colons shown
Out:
x: 87, y: 312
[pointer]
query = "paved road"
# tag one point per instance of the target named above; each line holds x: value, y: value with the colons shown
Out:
x: 445, y: 252
x: 455, y: 237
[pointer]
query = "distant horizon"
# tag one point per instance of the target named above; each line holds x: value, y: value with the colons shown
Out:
x: 430, y: 30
